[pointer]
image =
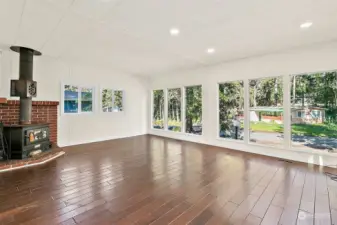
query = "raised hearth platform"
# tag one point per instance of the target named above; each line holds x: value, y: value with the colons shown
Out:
x: 33, y: 161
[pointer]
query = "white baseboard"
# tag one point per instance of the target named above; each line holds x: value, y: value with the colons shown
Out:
x: 99, y: 140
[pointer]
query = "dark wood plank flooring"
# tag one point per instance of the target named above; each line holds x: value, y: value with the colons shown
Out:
x: 157, y: 181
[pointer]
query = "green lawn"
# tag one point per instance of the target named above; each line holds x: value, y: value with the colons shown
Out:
x: 317, y: 130
x: 320, y: 130
x: 266, y: 127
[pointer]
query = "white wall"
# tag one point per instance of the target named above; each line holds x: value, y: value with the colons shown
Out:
x: 76, y: 129
x: 310, y: 59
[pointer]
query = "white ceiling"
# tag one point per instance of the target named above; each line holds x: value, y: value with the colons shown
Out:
x: 133, y: 35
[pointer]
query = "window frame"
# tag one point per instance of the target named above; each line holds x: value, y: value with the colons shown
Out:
x: 244, y: 81
x: 301, y: 113
x: 285, y: 86
x: 93, y: 100
x: 79, y: 95
x: 286, y: 145
x: 113, y: 100
x: 291, y: 146
x: 184, y: 110
x: 166, y: 108
x: 318, y: 113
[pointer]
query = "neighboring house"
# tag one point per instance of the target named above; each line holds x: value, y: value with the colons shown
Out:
x: 311, y: 115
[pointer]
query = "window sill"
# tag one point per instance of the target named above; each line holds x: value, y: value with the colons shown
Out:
x: 174, y: 132
x: 230, y: 140
x: 77, y: 114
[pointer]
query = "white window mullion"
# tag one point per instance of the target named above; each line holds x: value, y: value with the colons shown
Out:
x: 183, y: 110
x: 62, y: 98
x: 79, y: 100
x: 217, y: 111
x: 286, y: 111
x: 165, y: 109
x: 152, y: 110
x: 113, y: 99
x: 246, y: 112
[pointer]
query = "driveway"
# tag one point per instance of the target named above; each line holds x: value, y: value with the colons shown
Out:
x: 323, y: 143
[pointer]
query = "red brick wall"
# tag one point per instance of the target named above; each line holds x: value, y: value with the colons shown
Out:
x: 42, y: 112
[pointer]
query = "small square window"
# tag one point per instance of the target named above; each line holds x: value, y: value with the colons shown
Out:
x: 77, y: 99
x: 112, y: 101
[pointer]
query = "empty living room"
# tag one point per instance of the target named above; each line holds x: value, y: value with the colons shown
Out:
x: 157, y: 112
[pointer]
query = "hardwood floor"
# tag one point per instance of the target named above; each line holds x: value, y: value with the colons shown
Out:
x: 157, y: 181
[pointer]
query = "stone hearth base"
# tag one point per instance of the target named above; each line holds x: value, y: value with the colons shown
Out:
x: 33, y: 161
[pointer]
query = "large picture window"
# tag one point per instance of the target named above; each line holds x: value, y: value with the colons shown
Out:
x: 158, y: 109
x: 174, y: 109
x: 77, y: 99
x: 266, y: 111
x: 314, y: 111
x: 231, y: 110
x: 193, y: 110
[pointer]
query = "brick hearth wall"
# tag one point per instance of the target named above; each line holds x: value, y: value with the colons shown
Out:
x: 42, y: 112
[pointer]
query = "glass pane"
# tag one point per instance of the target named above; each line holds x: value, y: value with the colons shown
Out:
x: 231, y: 110
x: 70, y: 99
x: 107, y: 100
x: 86, y: 99
x: 174, y: 109
x: 118, y: 101
x: 193, y: 110
x: 266, y: 111
x: 158, y: 109
x: 314, y: 111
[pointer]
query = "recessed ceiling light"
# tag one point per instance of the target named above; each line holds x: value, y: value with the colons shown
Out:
x: 306, y: 25
x: 210, y: 50
x: 174, y: 31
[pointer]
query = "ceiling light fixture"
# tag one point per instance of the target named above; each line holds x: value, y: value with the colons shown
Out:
x: 174, y: 31
x: 210, y: 50
x: 306, y: 25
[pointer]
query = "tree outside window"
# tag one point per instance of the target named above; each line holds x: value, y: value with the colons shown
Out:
x: 174, y: 109
x: 158, y: 109
x: 107, y: 97
x: 231, y: 110
x: 118, y: 101
x: 193, y: 109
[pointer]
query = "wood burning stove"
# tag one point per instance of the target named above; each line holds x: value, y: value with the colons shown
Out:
x: 25, y: 138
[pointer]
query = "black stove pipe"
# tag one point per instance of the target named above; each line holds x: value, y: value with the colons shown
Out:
x: 25, y: 74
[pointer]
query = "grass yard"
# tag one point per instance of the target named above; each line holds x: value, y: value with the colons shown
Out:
x: 316, y: 130
x: 266, y: 127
